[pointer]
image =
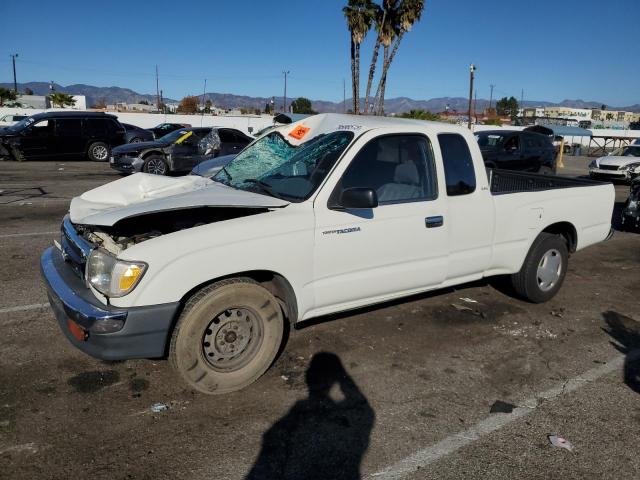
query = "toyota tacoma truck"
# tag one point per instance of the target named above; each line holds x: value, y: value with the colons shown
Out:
x: 328, y: 214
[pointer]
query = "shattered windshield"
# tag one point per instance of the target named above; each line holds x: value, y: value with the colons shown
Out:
x: 274, y: 167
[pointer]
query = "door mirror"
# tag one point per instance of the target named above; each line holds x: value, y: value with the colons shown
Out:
x: 358, y: 198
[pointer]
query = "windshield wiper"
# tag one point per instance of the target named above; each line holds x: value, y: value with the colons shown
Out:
x: 265, y: 187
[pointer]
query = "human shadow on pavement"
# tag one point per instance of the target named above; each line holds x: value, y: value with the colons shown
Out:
x: 320, y: 437
x: 626, y: 333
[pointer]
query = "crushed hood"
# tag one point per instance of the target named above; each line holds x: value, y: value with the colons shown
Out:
x: 144, y: 193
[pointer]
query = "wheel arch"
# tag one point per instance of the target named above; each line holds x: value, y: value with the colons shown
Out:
x: 567, y: 231
x: 274, y: 282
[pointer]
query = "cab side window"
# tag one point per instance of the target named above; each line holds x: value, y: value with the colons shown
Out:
x: 399, y: 168
x: 459, y: 172
x: 42, y: 128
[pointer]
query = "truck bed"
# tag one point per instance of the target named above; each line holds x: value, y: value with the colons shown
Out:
x: 503, y: 182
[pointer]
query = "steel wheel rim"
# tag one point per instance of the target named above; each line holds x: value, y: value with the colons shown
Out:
x: 156, y: 166
x: 232, y: 339
x: 549, y: 270
x: 100, y: 152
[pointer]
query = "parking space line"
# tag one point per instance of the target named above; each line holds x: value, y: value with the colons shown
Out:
x: 451, y: 444
x: 34, y: 234
x: 22, y: 308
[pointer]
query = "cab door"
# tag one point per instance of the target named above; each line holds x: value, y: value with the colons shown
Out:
x: 69, y: 139
x: 38, y: 140
x: 368, y: 255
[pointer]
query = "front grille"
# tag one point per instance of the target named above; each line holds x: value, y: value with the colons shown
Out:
x: 75, y: 249
x: 608, y: 167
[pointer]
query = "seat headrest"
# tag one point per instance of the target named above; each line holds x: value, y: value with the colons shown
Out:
x: 407, y: 173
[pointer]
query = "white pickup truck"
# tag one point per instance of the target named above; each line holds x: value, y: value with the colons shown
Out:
x: 328, y: 214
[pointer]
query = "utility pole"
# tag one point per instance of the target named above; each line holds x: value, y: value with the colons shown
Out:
x: 491, y: 97
x: 284, y: 106
x: 475, y: 103
x: 344, y: 96
x: 157, y: 90
x: 15, y: 83
x: 204, y: 92
x: 472, y: 69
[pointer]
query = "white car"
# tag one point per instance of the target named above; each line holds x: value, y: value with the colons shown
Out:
x: 8, y: 120
x: 621, y: 164
x: 331, y: 213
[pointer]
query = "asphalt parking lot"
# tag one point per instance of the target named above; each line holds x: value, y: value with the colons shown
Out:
x: 414, y: 383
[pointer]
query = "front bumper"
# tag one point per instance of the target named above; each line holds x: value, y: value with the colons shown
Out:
x: 612, y: 174
x: 140, y: 332
x: 126, y: 164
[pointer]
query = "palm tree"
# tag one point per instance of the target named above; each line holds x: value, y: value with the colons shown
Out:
x: 360, y: 16
x: 383, y: 26
x: 62, y: 99
x: 403, y: 18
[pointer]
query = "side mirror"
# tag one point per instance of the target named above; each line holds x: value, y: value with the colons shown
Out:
x: 358, y: 198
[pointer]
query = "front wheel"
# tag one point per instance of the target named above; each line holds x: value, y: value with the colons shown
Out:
x: 155, y: 164
x: 98, y: 152
x: 227, y: 336
x: 545, y: 170
x: 544, y: 269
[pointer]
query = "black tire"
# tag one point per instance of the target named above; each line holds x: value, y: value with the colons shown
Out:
x: 545, y: 170
x: 98, y: 152
x: 17, y: 155
x: 236, y: 312
x: 537, y: 282
x: 155, y: 164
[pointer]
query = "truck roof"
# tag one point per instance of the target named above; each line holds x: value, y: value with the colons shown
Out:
x: 310, y: 127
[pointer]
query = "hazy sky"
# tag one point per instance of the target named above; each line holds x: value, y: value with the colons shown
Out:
x: 553, y: 49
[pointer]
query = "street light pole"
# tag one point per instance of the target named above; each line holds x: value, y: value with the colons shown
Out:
x: 284, y: 106
x: 15, y: 82
x: 472, y: 69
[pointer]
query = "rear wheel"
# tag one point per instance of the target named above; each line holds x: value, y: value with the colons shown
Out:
x: 544, y: 170
x: 98, y: 152
x: 227, y: 336
x: 155, y: 164
x: 544, y: 269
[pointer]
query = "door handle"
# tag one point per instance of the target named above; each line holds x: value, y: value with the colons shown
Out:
x: 433, y: 222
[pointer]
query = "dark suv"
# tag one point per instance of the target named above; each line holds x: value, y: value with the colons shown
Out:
x: 62, y: 135
x: 517, y: 150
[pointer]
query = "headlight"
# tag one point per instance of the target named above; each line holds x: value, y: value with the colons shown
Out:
x: 631, y: 166
x: 113, y: 277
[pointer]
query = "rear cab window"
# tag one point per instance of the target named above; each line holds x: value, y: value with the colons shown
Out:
x: 459, y: 171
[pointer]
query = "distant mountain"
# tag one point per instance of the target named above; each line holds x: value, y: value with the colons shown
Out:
x: 111, y: 95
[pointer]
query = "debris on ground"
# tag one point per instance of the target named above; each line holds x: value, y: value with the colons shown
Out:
x: 468, y: 300
x: 501, y: 407
x: 560, y: 442
x: 558, y: 313
x: 284, y: 377
x: 462, y: 308
x: 159, y: 407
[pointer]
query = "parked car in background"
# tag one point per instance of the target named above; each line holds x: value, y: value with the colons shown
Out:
x: 209, y: 168
x: 517, y: 150
x: 62, y: 135
x: 178, y: 151
x: 10, y: 119
x: 637, y: 141
x: 631, y: 210
x: 164, y: 128
x: 137, y: 134
x: 333, y: 213
x: 621, y: 164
